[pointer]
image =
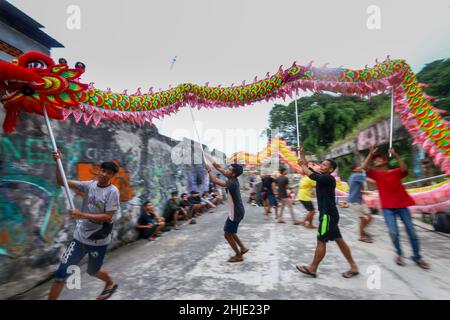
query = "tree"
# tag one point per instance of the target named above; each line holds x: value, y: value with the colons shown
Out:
x: 437, y: 75
x: 323, y: 118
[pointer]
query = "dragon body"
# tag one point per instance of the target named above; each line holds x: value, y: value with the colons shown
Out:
x: 35, y: 81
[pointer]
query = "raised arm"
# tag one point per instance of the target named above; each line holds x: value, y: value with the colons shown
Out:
x: 372, y: 150
x: 402, y: 164
x: 213, y: 178
x: 215, y: 164
x: 303, y: 163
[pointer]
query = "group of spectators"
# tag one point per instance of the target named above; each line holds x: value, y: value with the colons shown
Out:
x: 184, y: 207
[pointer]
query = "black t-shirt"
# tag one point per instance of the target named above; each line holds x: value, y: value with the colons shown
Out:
x: 184, y: 203
x: 237, y: 210
x: 146, y: 219
x: 267, y: 184
x: 194, y: 200
x: 282, y: 183
x: 171, y: 207
x: 325, y: 191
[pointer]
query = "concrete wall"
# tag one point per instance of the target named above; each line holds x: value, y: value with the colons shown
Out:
x: 377, y: 134
x: 34, y: 226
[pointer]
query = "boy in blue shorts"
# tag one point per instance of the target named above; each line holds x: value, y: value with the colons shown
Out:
x: 237, y: 210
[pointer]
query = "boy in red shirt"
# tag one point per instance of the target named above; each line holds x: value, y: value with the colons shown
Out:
x: 394, y: 201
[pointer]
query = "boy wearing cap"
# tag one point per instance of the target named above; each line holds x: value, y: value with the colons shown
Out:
x: 93, y: 229
x: 394, y: 201
x: 237, y: 211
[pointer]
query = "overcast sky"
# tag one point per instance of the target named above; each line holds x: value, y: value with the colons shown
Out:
x: 131, y: 44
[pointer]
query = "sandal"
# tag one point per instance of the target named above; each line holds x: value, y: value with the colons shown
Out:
x: 399, y: 261
x: 366, y: 239
x: 423, y: 264
x: 235, y: 259
x: 244, y: 252
x: 107, y: 292
x: 305, y: 270
x: 349, y: 274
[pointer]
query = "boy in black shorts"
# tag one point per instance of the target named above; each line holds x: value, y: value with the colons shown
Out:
x: 237, y: 211
x: 329, y: 216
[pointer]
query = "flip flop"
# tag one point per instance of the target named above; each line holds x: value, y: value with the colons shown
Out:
x: 423, y: 264
x: 367, y: 240
x: 400, y: 262
x: 107, y: 292
x: 305, y: 270
x: 234, y: 259
x: 245, y: 251
x: 349, y: 274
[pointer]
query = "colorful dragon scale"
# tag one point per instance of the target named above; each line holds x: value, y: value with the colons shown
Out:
x: 35, y: 80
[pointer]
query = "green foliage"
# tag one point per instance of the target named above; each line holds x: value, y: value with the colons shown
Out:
x: 437, y: 75
x: 323, y: 119
x: 327, y: 119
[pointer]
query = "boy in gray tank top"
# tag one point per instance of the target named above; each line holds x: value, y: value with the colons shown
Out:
x: 93, y: 229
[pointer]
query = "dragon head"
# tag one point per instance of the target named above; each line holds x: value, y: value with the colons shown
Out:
x: 34, y: 81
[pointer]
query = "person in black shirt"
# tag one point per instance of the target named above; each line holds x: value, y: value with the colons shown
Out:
x: 149, y: 224
x: 328, y: 216
x: 187, y: 207
x: 196, y: 202
x: 237, y: 210
x: 172, y: 210
x: 268, y: 195
x: 283, y: 187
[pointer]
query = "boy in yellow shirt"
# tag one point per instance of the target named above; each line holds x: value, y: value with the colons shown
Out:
x: 305, y: 194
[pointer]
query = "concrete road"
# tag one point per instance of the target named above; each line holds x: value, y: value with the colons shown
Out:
x: 191, y: 264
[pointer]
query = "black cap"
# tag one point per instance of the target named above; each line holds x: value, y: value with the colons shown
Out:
x: 110, y: 165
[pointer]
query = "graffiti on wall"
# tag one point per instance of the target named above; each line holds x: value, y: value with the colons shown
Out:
x: 29, y: 206
x: 198, y: 180
x: 37, y: 150
x: 89, y: 171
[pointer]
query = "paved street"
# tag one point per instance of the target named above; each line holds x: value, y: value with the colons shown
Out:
x: 191, y: 264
